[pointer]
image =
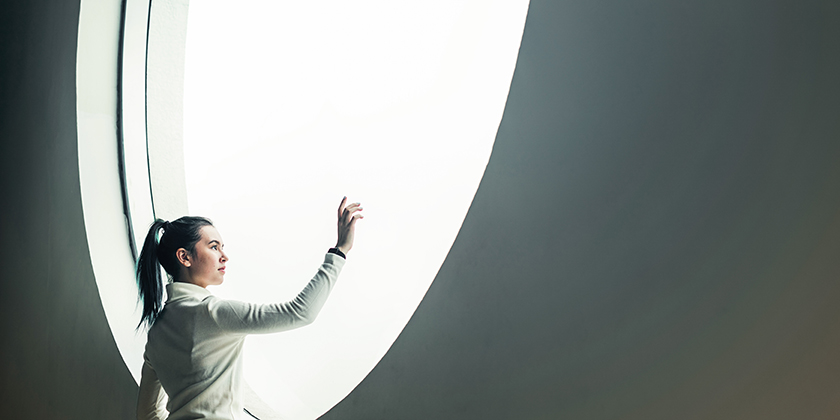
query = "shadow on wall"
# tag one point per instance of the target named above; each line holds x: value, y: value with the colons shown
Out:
x: 657, y: 231
x: 59, y: 360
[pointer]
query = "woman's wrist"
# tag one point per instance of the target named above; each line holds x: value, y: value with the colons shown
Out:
x: 338, y: 251
x: 345, y: 248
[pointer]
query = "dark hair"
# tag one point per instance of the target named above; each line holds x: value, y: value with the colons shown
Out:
x: 181, y: 233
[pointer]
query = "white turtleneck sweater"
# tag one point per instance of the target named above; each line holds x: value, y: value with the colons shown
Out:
x: 194, y: 349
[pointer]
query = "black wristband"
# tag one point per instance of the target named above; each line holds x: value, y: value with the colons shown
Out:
x: 338, y: 252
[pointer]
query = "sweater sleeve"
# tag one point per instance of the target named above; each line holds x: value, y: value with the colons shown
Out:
x: 248, y: 318
x: 151, y: 399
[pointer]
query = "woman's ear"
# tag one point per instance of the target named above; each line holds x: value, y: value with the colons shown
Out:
x: 183, y: 257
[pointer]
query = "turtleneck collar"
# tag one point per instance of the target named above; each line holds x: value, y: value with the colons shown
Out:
x: 180, y: 290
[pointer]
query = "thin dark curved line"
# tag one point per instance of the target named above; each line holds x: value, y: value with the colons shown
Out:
x: 121, y: 134
x: 146, y: 107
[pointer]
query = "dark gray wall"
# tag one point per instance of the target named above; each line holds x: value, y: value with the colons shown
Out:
x: 657, y: 234
x: 57, y: 357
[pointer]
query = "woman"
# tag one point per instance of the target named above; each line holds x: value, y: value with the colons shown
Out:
x: 194, y: 347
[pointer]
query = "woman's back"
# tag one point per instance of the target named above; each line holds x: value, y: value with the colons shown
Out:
x: 197, y: 363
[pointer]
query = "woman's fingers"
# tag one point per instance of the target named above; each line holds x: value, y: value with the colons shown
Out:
x: 355, y: 217
x: 350, y: 210
x: 341, y: 206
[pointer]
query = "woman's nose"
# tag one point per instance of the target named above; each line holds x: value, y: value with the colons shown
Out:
x: 225, y: 256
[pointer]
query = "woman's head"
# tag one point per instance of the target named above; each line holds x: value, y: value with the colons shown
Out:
x: 179, y: 237
x: 204, y: 264
x: 181, y: 234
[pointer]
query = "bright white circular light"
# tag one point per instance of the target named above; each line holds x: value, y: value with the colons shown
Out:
x: 291, y: 105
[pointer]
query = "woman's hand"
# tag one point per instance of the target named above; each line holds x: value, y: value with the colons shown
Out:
x: 347, y: 217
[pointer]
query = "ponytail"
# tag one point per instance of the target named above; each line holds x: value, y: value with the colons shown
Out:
x: 148, y: 276
x: 181, y: 233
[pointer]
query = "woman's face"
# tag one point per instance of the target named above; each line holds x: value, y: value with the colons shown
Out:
x: 206, y: 265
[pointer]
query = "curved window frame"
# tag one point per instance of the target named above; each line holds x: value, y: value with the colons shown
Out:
x: 131, y: 145
x: 130, y: 142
